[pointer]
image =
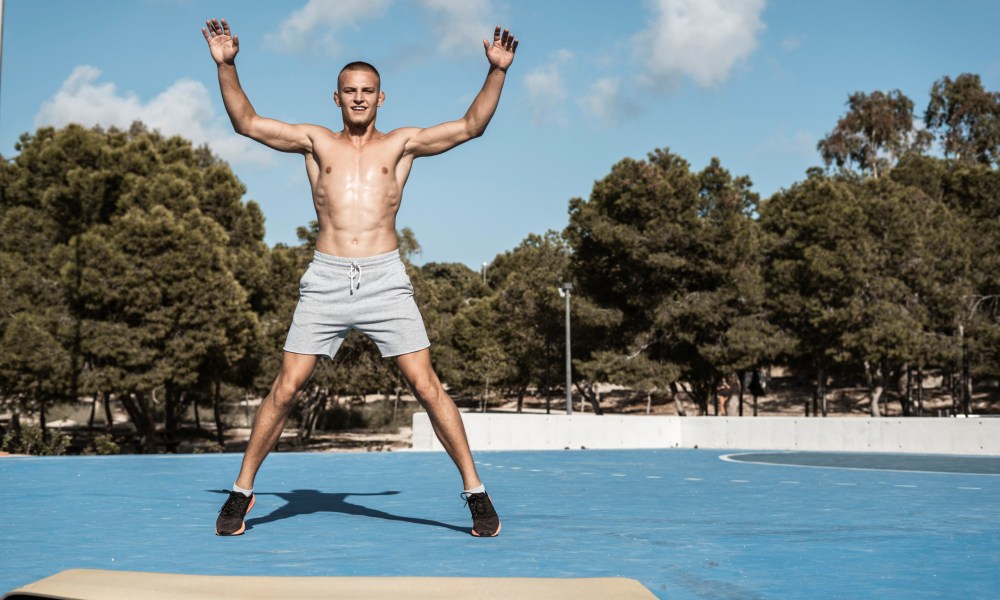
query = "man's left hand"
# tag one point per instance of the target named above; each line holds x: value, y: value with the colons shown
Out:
x: 501, y: 52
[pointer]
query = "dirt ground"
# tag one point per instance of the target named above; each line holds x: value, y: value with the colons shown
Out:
x: 785, y: 397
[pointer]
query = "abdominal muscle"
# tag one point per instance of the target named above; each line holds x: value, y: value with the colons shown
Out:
x: 356, y: 194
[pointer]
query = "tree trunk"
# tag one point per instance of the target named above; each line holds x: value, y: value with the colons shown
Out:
x: 140, y: 413
x: 521, y: 391
x: 320, y: 399
x: 109, y: 419
x: 875, y: 389
x: 220, y: 428
x: 649, y: 403
x: 395, y: 403
x: 312, y: 406
x: 821, y: 391
x: 41, y: 421
x: 676, y: 398
x: 587, y: 392
x: 742, y: 376
x: 920, y: 390
x: 317, y: 402
x: 908, y: 393
x: 197, y: 415
x: 170, y: 411
x: 963, y: 372
x: 548, y: 388
x: 93, y: 412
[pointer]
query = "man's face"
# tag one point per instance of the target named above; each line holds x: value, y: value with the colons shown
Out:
x: 358, y: 97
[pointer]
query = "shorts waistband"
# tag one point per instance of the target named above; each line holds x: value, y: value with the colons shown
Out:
x: 368, y: 262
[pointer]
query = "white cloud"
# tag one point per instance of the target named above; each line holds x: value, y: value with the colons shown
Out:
x: 184, y: 108
x: 297, y: 33
x: 546, y: 91
x: 606, y: 102
x: 700, y: 39
x: 460, y: 25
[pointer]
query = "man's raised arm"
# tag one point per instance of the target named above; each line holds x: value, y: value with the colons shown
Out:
x: 281, y: 136
x: 437, y: 139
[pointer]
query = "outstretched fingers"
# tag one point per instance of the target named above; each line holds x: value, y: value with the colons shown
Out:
x: 505, y: 40
x: 213, y: 28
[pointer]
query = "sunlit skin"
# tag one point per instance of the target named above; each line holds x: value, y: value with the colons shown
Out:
x: 357, y: 177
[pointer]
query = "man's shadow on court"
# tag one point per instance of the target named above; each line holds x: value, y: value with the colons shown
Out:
x: 307, y: 502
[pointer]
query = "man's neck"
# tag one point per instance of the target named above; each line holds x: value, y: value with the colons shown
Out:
x: 360, y: 135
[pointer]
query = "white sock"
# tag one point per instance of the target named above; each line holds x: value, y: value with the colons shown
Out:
x: 477, y: 490
x: 243, y: 491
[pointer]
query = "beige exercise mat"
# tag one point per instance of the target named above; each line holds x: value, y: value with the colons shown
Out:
x: 94, y: 584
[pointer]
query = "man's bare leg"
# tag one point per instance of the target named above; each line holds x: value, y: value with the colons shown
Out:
x: 444, y: 415
x: 270, y: 418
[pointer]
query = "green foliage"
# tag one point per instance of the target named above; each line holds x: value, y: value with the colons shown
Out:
x: 131, y: 267
x: 876, y: 131
x: 103, y: 444
x: 133, y: 264
x: 966, y: 118
x: 866, y: 273
x: 673, y: 259
x: 32, y: 440
x: 442, y: 290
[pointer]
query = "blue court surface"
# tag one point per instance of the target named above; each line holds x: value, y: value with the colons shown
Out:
x: 685, y: 523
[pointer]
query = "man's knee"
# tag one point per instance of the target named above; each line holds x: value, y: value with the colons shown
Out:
x: 287, y: 389
x: 428, y: 388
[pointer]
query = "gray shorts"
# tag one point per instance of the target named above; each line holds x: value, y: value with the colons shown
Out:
x: 373, y: 295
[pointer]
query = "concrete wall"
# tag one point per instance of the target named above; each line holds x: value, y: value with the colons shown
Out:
x: 506, y: 431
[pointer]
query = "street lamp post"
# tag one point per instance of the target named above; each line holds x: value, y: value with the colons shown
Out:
x: 564, y: 291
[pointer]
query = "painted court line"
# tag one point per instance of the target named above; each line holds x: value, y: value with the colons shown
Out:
x: 731, y: 458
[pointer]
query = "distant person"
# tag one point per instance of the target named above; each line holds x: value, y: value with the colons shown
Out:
x: 356, y: 279
x: 722, y: 394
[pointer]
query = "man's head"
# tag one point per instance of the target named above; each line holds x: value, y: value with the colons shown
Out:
x: 359, y: 94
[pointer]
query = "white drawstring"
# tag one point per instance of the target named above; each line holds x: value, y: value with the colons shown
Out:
x: 355, y: 272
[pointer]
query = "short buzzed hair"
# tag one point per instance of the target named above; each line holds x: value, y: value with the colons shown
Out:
x: 359, y: 65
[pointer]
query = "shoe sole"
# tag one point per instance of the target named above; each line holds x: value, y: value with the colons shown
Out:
x: 243, y: 527
x: 494, y: 534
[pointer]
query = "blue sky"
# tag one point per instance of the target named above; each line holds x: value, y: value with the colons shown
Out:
x: 756, y: 83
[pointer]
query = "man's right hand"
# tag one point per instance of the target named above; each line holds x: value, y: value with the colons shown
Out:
x: 223, y: 45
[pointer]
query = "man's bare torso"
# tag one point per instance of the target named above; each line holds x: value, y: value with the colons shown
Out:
x: 357, y: 187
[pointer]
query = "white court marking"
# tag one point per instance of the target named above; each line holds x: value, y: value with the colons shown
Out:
x: 729, y: 458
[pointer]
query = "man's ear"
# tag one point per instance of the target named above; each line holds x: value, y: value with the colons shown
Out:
x: 381, y: 97
x: 336, y: 98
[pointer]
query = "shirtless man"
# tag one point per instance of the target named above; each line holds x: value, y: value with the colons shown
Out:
x: 356, y: 279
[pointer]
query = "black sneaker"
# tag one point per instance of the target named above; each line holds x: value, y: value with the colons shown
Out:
x: 485, y: 522
x: 230, y: 521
